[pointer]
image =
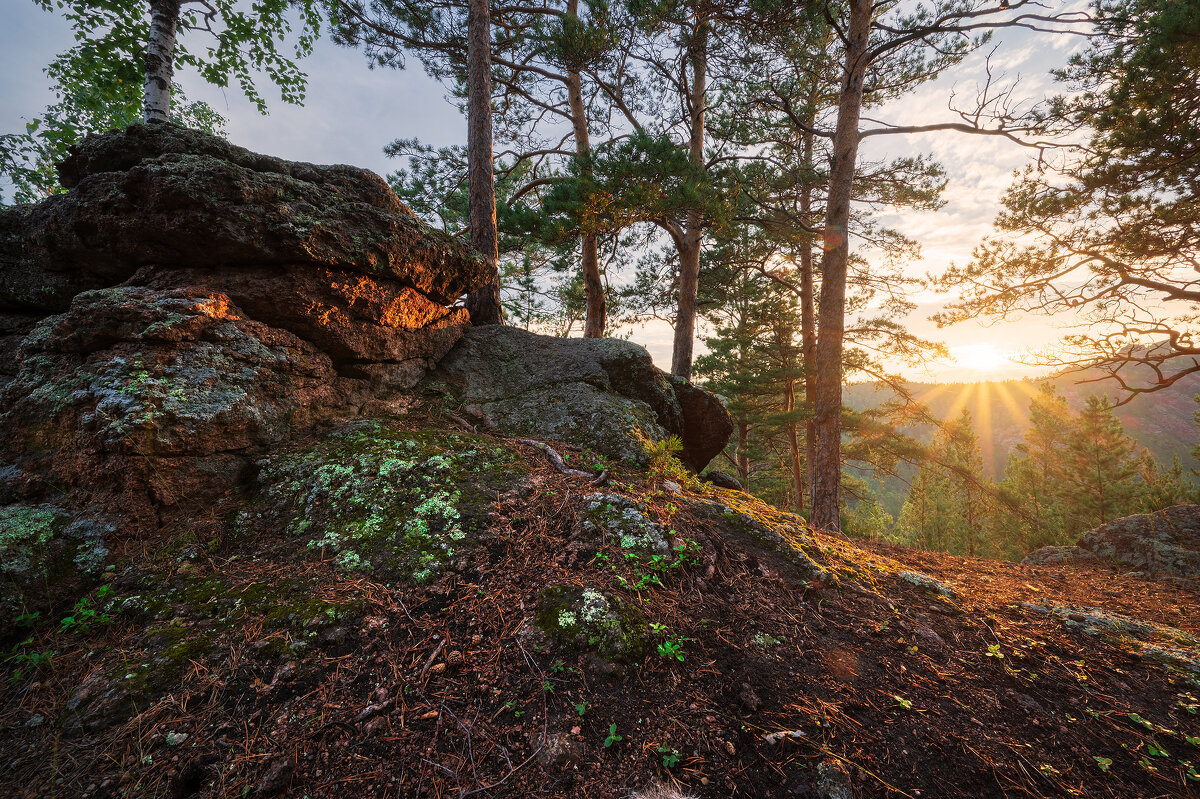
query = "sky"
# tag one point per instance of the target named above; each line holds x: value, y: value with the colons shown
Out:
x: 351, y: 112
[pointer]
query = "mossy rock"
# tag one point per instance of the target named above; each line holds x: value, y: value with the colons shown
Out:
x: 767, y: 538
x: 46, y: 558
x: 398, y: 504
x: 590, y: 620
x: 624, y: 522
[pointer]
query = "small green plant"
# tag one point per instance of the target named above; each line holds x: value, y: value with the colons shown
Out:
x: 27, y: 619
x: 24, y: 662
x: 1194, y: 740
x: 671, y: 649
x: 1102, y: 762
x: 87, y: 614
x: 661, y: 460
x: 613, y: 737
x: 902, y: 702
x: 582, y: 708
x: 548, y: 686
x: 558, y: 667
x: 670, y: 756
x: 1155, y: 750
x: 1136, y: 719
x: 994, y: 652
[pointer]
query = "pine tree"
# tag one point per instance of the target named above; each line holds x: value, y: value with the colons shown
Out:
x: 1035, y: 481
x: 1164, y: 486
x: 950, y: 506
x: 1103, y: 478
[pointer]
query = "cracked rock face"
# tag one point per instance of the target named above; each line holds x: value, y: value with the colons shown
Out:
x: 188, y: 304
x: 589, y: 392
x: 1166, y: 542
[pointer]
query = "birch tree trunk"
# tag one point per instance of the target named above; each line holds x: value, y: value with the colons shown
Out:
x: 693, y: 234
x: 831, y: 313
x: 483, y: 304
x: 160, y: 59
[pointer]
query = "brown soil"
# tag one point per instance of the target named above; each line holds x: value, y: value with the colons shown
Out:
x: 430, y: 691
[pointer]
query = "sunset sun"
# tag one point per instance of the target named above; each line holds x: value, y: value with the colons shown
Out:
x: 986, y: 359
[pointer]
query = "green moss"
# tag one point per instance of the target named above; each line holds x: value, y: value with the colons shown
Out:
x: 32, y: 555
x: 397, y: 503
x: 587, y: 619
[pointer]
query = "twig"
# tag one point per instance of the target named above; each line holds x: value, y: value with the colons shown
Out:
x: 433, y: 656
x: 461, y: 421
x: 555, y: 458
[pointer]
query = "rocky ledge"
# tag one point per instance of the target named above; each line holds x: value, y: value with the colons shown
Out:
x: 189, y: 306
x: 1163, y: 543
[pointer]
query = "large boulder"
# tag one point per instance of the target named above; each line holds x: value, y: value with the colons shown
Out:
x: 1166, y: 542
x: 590, y: 392
x: 172, y: 197
x: 189, y: 304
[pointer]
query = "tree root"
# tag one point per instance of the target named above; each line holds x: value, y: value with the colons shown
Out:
x: 561, y: 465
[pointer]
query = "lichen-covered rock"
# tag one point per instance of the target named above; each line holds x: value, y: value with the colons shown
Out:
x: 167, y: 196
x: 400, y: 505
x: 45, y: 556
x: 152, y: 397
x: 1166, y: 542
x: 589, y: 392
x: 927, y: 583
x: 1174, y: 648
x: 765, y: 540
x: 256, y: 298
x: 591, y: 620
x: 621, y: 520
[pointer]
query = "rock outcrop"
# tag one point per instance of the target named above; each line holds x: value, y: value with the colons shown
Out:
x: 188, y: 308
x: 188, y: 303
x: 1166, y: 542
x: 590, y: 392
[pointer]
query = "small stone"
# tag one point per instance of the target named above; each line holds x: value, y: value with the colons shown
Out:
x: 279, y: 773
x: 833, y: 780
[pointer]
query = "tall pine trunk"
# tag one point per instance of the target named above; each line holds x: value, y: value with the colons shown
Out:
x: 743, y: 454
x: 808, y: 316
x: 160, y: 59
x: 589, y: 249
x: 693, y: 234
x: 484, y: 303
x: 831, y: 312
x: 783, y: 341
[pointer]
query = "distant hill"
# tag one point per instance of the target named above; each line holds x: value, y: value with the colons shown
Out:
x: 1161, y: 422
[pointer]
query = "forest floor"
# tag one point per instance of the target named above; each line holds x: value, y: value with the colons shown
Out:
x: 264, y: 670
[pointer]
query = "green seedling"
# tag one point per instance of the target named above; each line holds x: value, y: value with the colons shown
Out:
x: 670, y: 756
x: 1136, y: 719
x: 613, y: 737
